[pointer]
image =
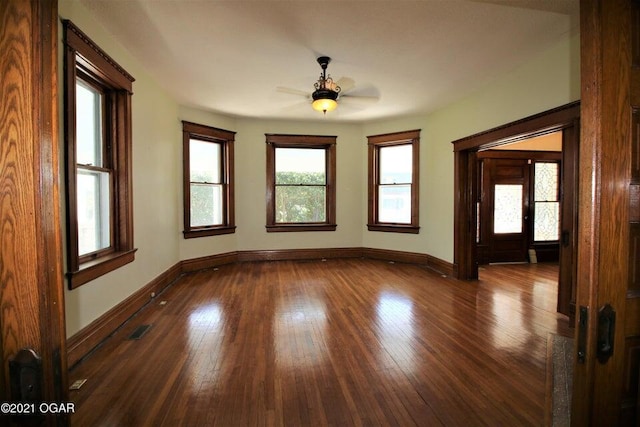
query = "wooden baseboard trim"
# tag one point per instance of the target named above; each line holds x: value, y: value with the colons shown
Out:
x: 298, y: 254
x: 210, y: 261
x: 431, y: 262
x: 87, y: 339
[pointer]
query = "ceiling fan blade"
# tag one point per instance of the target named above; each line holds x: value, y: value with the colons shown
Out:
x: 291, y: 91
x: 298, y: 106
x: 358, y: 99
x: 346, y: 83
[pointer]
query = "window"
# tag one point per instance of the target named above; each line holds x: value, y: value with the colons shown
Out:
x: 208, y: 181
x: 97, y: 108
x: 301, y: 179
x: 546, y: 204
x: 393, y: 182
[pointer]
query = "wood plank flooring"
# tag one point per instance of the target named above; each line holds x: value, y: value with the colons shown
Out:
x: 341, y: 342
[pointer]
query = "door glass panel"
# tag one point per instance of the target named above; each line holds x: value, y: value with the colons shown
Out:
x: 507, y: 211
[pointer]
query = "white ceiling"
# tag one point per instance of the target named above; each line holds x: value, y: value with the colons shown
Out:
x: 412, y: 56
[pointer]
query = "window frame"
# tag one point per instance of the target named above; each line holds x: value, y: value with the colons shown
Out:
x: 328, y: 143
x: 226, y: 140
x: 558, y: 163
x: 85, y: 60
x: 375, y: 143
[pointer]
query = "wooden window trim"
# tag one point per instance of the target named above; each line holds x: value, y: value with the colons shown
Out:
x: 85, y: 59
x: 328, y: 143
x: 226, y: 139
x: 375, y: 142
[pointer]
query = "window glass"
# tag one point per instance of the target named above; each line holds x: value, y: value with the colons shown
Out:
x: 206, y: 204
x: 300, y: 166
x: 93, y: 200
x: 395, y: 164
x: 546, y: 224
x: 205, y: 163
x: 300, y: 185
x: 395, y: 204
x: 88, y: 124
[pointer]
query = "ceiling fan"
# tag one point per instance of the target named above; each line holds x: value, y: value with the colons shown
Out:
x: 327, y: 92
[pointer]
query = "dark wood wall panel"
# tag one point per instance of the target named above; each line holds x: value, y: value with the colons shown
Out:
x: 635, y: 146
x: 634, y: 257
x: 635, y: 33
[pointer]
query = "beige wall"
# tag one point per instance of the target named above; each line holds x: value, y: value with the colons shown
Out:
x: 546, y: 81
x: 155, y: 184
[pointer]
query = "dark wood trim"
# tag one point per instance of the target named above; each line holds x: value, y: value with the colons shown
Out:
x: 428, y: 261
x: 285, y: 228
x: 210, y: 261
x: 226, y: 140
x: 466, y: 175
x: 32, y: 295
x: 300, y: 141
x: 83, y: 342
x: 375, y: 142
x: 298, y: 254
x: 536, y: 125
x: 328, y: 143
x: 83, y: 56
x: 87, y: 339
x: 514, y: 154
x: 205, y: 131
x: 94, y: 58
x: 91, y: 270
x: 394, y: 228
x: 208, y: 231
x: 394, y: 138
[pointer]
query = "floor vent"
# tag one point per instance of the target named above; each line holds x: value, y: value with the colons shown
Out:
x: 139, y: 332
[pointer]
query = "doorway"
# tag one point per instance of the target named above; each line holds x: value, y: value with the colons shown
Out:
x: 468, y: 189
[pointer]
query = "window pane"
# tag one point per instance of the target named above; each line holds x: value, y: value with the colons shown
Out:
x: 300, y: 166
x: 300, y: 204
x: 546, y: 225
x: 88, y: 125
x: 507, y: 212
x: 94, y: 223
x: 394, y: 204
x: 205, y: 161
x: 546, y: 182
x: 206, y: 205
x: 396, y: 164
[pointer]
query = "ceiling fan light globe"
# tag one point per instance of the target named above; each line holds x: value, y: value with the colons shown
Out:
x: 324, y: 104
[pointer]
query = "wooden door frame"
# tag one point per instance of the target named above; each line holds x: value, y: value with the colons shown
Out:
x: 465, y: 258
x: 32, y: 296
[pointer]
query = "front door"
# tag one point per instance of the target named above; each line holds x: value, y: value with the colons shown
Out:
x: 506, y: 191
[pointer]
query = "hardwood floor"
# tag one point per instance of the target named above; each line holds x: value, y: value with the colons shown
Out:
x: 340, y: 342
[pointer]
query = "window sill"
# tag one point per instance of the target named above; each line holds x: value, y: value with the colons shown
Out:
x: 280, y: 228
x: 394, y: 228
x: 209, y: 231
x: 93, y: 269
